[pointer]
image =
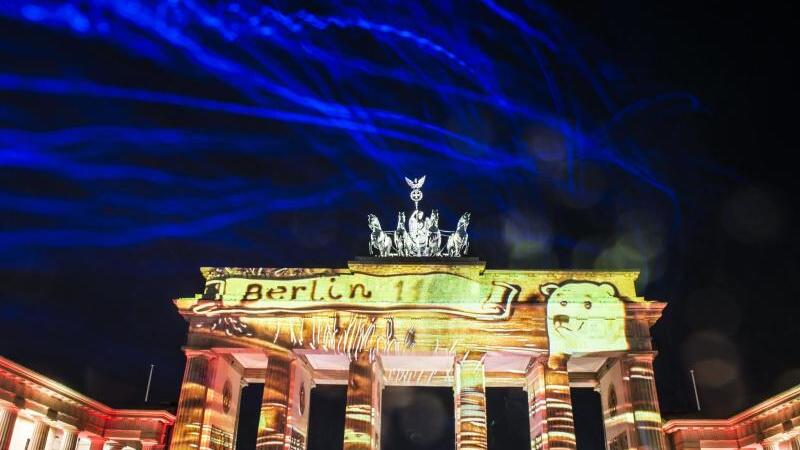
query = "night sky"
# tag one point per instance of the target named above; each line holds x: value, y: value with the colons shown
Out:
x: 139, y: 143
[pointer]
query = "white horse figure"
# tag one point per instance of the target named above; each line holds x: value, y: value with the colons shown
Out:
x: 458, y: 242
x: 378, y: 239
x: 401, y: 239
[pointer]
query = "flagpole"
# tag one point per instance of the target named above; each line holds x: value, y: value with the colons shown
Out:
x: 149, y: 380
x: 694, y: 385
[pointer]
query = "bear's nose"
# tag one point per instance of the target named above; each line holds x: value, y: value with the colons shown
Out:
x: 560, y: 318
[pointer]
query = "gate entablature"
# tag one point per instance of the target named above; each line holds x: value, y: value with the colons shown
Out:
x: 407, y: 307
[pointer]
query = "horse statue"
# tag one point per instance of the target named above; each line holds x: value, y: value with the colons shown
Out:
x: 401, y: 238
x: 378, y: 239
x: 458, y: 242
x: 434, y: 234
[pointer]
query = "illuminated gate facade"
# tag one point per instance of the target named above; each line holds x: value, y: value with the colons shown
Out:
x: 417, y: 322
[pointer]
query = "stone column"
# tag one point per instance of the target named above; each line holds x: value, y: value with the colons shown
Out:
x: 300, y: 402
x: 550, y: 405
x: 457, y: 413
x: 617, y: 408
x: 148, y: 445
x: 638, y: 372
x: 470, y: 403
x: 273, y: 425
x: 189, y: 421
x: 8, y: 418
x: 208, y: 404
x: 114, y: 445
x: 39, y: 436
x: 96, y: 443
x: 242, y: 385
x: 69, y: 439
x: 362, y: 426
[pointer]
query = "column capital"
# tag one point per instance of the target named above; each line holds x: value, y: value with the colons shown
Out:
x: 114, y: 445
x: 149, y: 444
x: 203, y: 352
x: 96, y: 442
x: 629, y: 361
x: 69, y: 439
x: 534, y: 367
x: 538, y: 366
x: 557, y: 362
x: 5, y: 406
x: 8, y: 418
x: 469, y: 356
x: 280, y: 353
x: 648, y: 356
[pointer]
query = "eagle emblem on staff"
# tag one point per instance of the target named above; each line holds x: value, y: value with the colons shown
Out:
x: 421, y: 237
x: 416, y: 189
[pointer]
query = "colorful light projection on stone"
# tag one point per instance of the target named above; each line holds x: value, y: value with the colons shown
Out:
x: 39, y: 413
x: 363, y: 411
x: 583, y: 316
x: 421, y: 324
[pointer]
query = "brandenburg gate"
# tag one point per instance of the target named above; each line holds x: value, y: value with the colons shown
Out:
x: 418, y: 313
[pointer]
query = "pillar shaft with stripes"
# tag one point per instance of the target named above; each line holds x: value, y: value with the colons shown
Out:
x: 638, y: 372
x: 8, y: 418
x: 273, y: 426
x: 362, y: 426
x: 550, y: 405
x: 39, y: 435
x: 189, y: 421
x: 470, y: 403
x: 69, y: 440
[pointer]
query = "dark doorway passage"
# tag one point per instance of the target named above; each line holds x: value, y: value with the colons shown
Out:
x: 417, y: 419
x: 588, y: 416
x: 326, y: 420
x: 507, y: 419
x: 249, y: 412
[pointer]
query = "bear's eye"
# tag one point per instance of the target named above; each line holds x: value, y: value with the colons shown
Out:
x: 563, y: 303
x: 587, y: 304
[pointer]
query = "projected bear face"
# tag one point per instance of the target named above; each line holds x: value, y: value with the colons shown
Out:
x: 584, y: 317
